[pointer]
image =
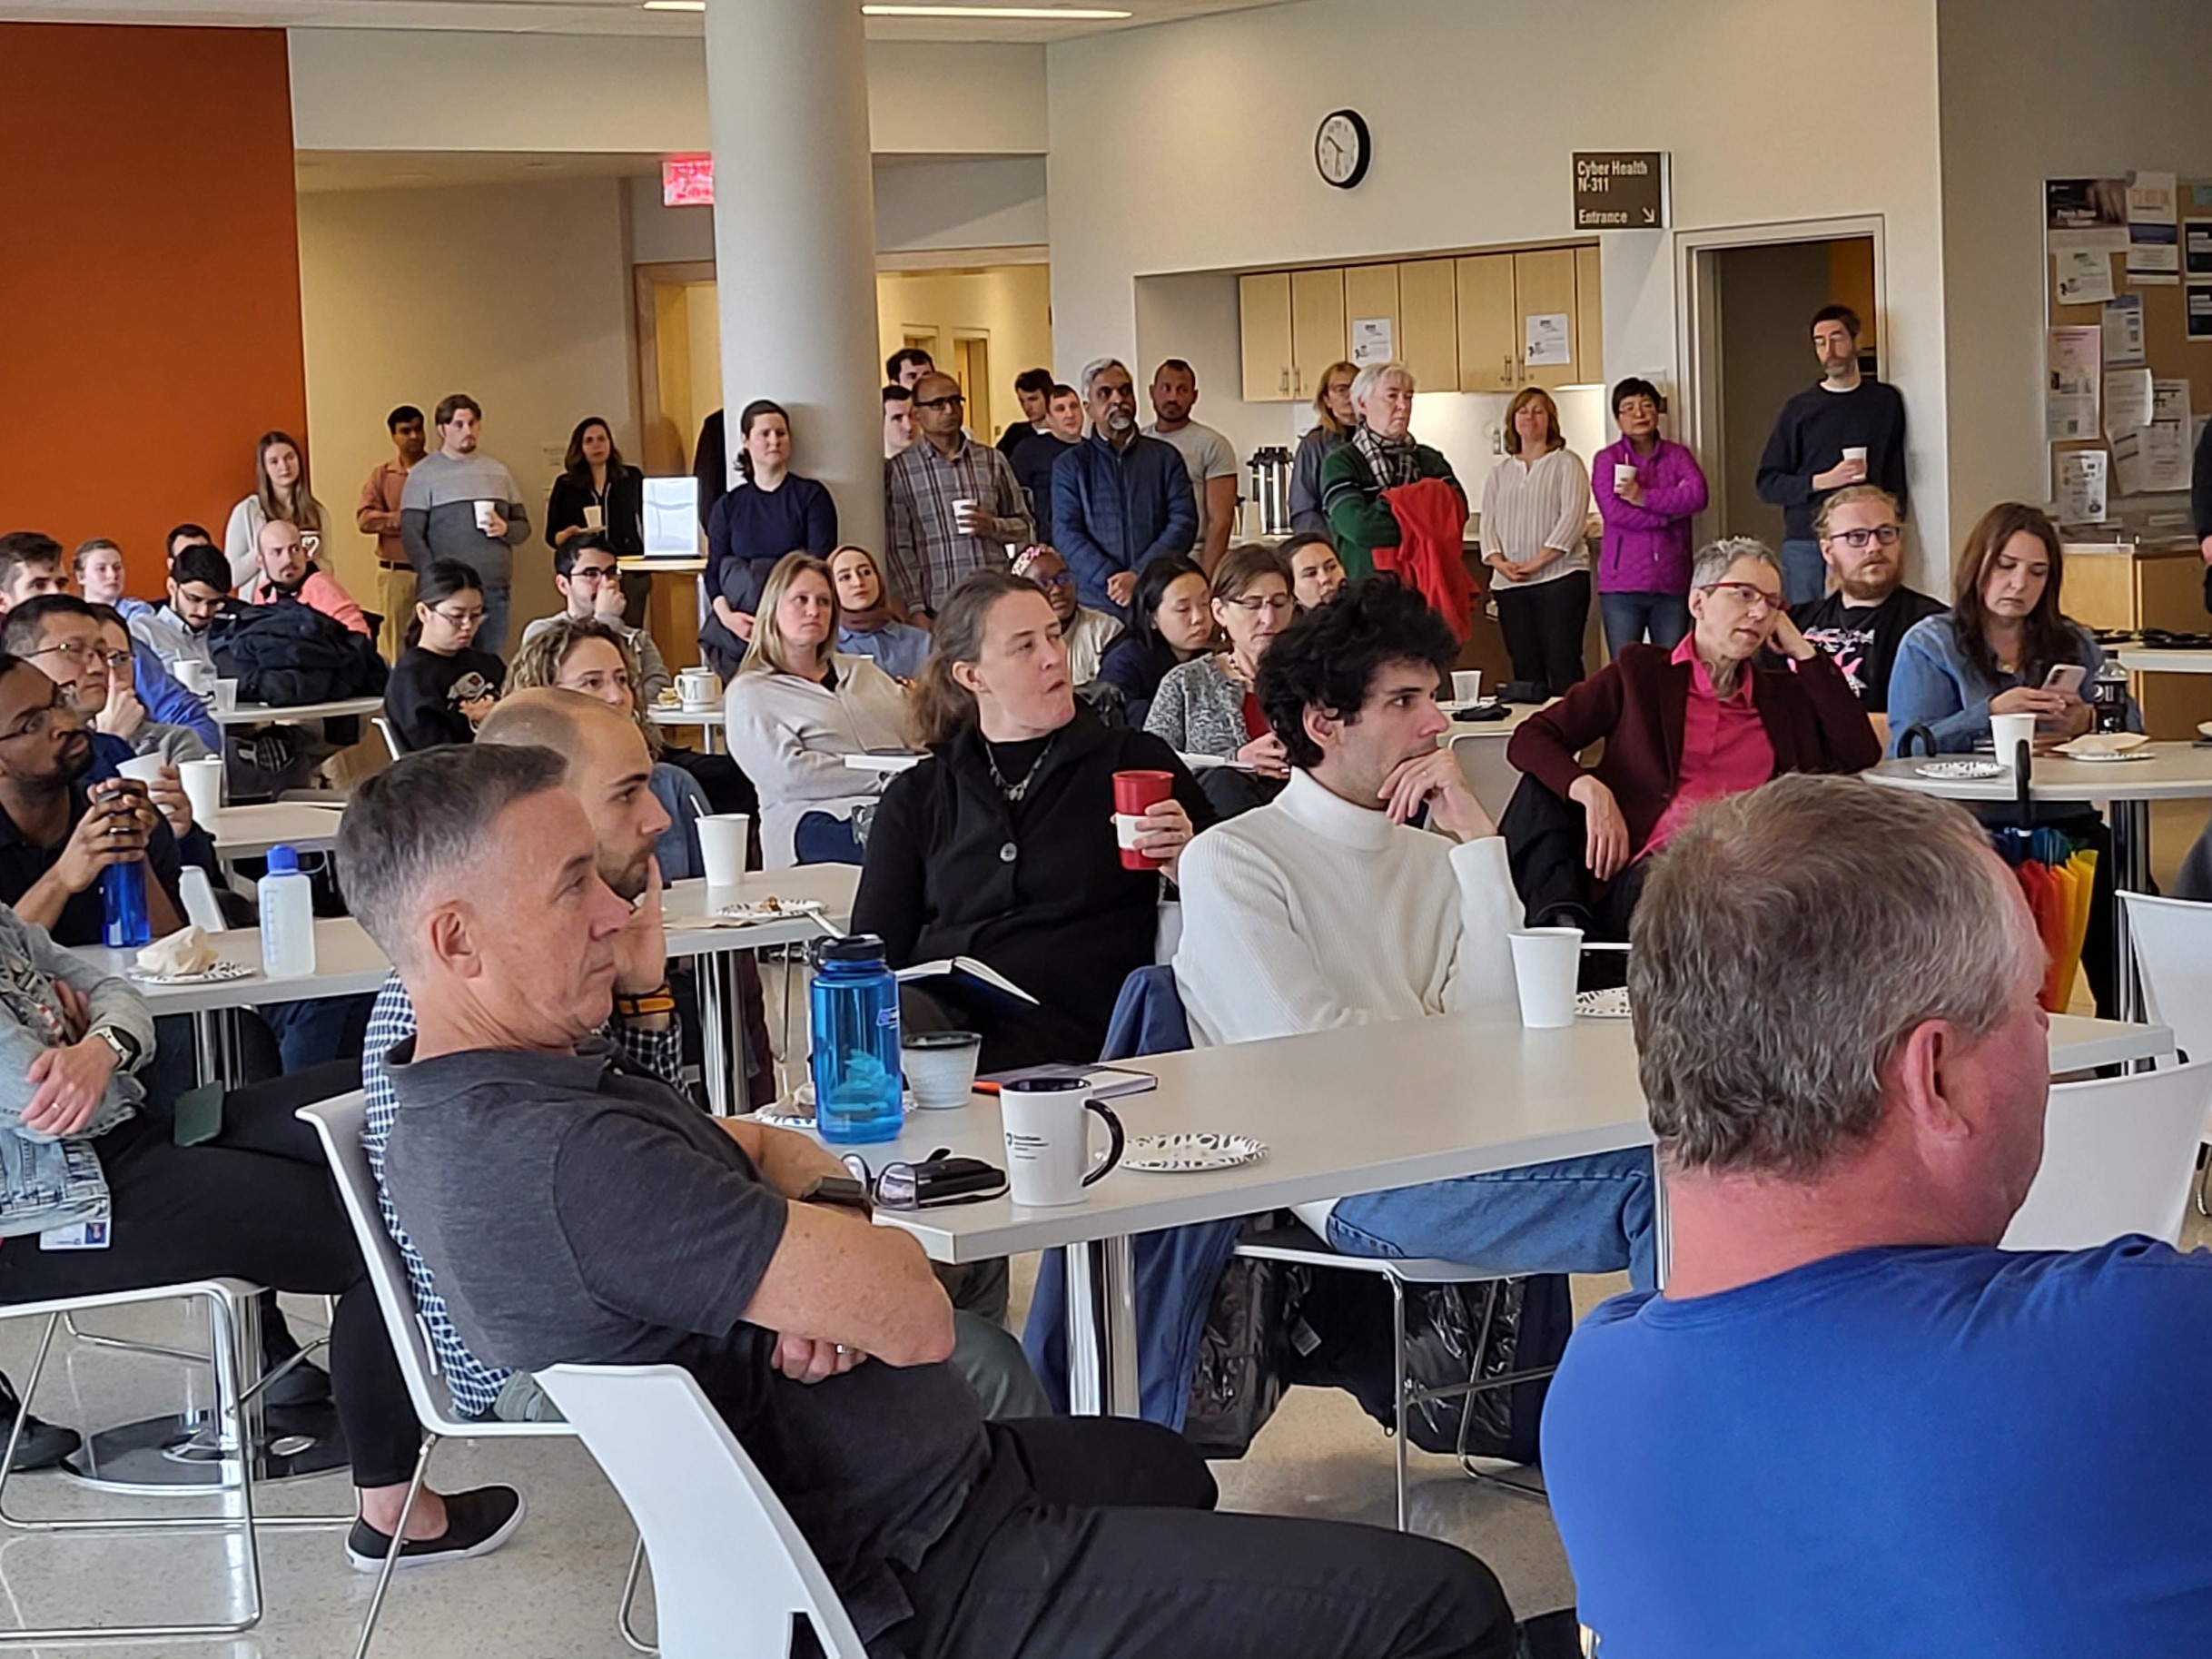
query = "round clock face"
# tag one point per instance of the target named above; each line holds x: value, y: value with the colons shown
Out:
x: 1342, y: 149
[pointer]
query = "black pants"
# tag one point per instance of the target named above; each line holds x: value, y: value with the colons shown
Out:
x: 1544, y: 627
x: 255, y: 1203
x: 1546, y: 848
x: 1098, y: 1536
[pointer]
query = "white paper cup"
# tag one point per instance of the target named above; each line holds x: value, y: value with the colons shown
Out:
x: 1856, y: 452
x: 721, y: 838
x: 226, y: 696
x: 484, y: 510
x: 194, y: 676
x: 1546, y: 964
x: 963, y: 516
x: 1467, y: 685
x: 595, y: 518
x: 203, y: 789
x: 2007, y: 732
x: 1048, y: 1161
x: 144, y: 769
x: 1623, y: 475
x: 939, y: 1067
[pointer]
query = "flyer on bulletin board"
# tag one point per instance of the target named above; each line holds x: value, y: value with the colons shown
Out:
x: 2085, y: 215
x: 2123, y: 324
x: 2085, y: 277
x: 2197, y: 303
x: 2082, y: 486
x: 2069, y: 407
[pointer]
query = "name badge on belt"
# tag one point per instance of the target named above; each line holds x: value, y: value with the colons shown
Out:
x: 77, y: 1236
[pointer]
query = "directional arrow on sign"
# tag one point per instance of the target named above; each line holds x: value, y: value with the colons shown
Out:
x: 1650, y: 217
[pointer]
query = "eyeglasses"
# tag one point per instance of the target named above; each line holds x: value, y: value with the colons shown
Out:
x: 1066, y: 578
x: 1274, y: 604
x: 955, y: 401
x: 77, y: 651
x: 594, y: 573
x: 895, y: 1186
x: 1745, y: 595
x: 460, y: 618
x: 1888, y: 534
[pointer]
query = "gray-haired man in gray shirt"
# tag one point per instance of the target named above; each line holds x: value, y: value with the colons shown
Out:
x: 463, y: 506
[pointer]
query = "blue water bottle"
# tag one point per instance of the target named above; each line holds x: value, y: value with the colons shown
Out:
x: 124, y: 921
x: 855, y: 1065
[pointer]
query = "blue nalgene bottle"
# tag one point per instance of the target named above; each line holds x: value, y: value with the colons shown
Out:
x: 124, y: 921
x: 856, y: 1008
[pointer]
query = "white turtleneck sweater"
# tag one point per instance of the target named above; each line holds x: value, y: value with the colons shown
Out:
x: 1311, y: 912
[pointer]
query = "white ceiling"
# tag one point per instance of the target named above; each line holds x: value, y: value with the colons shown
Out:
x: 569, y: 17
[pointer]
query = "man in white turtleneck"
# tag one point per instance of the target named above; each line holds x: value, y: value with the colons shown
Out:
x: 1327, y: 907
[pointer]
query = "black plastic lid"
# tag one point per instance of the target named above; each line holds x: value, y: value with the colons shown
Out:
x: 853, y: 947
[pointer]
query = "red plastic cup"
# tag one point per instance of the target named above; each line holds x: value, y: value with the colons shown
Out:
x: 1135, y: 793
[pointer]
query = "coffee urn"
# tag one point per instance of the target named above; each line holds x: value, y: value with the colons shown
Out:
x: 1270, y: 491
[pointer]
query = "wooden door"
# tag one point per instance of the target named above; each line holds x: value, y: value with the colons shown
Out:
x: 1589, y: 318
x: 1429, y: 324
x: 1317, y: 328
x: 1544, y: 286
x: 1489, y: 325
x: 1263, y: 312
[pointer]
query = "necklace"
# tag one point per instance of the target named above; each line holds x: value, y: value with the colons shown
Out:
x: 1014, y: 792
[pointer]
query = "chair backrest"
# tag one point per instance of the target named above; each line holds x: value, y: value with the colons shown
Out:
x: 392, y: 745
x: 730, y: 1568
x: 337, y: 1125
x: 2172, y: 941
x: 1490, y: 776
x: 2118, y: 1154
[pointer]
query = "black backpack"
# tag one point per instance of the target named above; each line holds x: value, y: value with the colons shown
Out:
x: 289, y: 653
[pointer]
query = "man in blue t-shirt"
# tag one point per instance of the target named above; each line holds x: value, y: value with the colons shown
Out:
x: 1851, y: 1426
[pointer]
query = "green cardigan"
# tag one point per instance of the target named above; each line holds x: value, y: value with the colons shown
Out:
x: 1359, y: 519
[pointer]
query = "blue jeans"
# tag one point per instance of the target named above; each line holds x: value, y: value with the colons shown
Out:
x: 1805, y: 573
x: 492, y: 635
x: 1627, y: 617
x: 1582, y: 1214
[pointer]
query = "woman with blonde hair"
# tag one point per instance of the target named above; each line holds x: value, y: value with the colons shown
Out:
x: 1536, y: 507
x: 796, y: 708
x: 280, y: 490
x: 1334, y: 420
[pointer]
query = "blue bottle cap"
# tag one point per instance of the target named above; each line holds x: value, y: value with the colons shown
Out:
x: 283, y: 860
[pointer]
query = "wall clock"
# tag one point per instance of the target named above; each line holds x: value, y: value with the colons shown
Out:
x: 1342, y: 148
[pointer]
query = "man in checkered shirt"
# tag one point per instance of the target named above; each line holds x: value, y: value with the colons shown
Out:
x: 952, y: 505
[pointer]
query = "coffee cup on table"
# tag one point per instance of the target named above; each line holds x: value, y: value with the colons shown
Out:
x: 939, y: 1067
x: 697, y: 687
x: 226, y: 697
x: 722, y: 845
x: 194, y: 676
x: 1047, y: 1125
x: 202, y: 781
x: 1467, y: 685
x: 2007, y: 733
x: 1134, y: 795
x: 1546, y: 967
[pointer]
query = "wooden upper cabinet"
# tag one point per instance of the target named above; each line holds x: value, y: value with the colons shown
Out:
x: 1543, y: 285
x: 1429, y: 324
x: 1317, y: 328
x: 1263, y: 307
x: 1370, y: 292
x: 1489, y: 326
x: 1589, y: 318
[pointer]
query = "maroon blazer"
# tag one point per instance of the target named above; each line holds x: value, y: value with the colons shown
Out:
x: 1635, y: 705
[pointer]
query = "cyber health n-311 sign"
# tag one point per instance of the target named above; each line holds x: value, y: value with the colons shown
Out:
x: 1621, y: 190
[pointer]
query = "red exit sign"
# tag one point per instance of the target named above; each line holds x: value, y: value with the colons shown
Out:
x: 688, y: 180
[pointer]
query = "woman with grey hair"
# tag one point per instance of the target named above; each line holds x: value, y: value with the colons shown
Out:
x: 1703, y: 721
x: 1380, y: 455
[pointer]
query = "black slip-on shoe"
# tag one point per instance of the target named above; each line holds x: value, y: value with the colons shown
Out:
x: 477, y: 1523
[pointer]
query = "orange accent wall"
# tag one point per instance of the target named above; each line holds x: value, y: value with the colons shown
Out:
x: 149, y: 279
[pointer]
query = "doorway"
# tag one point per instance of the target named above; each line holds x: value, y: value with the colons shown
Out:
x: 1747, y: 298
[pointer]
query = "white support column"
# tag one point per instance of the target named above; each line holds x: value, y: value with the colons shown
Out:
x: 795, y: 237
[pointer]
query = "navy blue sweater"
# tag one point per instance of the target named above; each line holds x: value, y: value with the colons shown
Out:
x: 1812, y: 433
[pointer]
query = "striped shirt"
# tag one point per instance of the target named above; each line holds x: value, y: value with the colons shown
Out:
x: 1526, y: 508
x: 928, y: 553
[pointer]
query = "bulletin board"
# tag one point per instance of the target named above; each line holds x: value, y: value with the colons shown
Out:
x: 2088, y: 224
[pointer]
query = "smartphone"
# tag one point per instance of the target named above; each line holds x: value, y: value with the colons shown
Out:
x: 2067, y: 677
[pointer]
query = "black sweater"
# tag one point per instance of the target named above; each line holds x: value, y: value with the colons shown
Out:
x: 624, y: 505
x: 1060, y: 917
x: 424, y: 696
x: 1812, y: 433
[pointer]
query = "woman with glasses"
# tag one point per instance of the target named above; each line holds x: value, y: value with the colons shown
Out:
x: 1867, y: 610
x: 280, y: 490
x: 773, y: 512
x: 796, y: 708
x: 1084, y: 633
x: 1534, y: 505
x: 1648, y: 487
x: 1206, y: 709
x: 1681, y: 727
x: 442, y: 687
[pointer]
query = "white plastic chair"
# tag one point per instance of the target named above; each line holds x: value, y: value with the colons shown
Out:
x: 338, y: 1124
x: 2118, y: 1154
x: 730, y: 1568
x: 1490, y: 776
x: 2172, y: 942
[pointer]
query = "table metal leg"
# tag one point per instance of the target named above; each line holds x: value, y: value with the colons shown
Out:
x: 1102, y: 1328
x: 2130, y: 823
x: 206, y: 1048
x: 723, y: 1050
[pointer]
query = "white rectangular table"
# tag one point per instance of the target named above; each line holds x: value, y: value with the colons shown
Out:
x: 2165, y: 659
x: 708, y: 717
x: 248, y: 831
x: 1363, y: 1109
x: 262, y: 714
x: 884, y: 761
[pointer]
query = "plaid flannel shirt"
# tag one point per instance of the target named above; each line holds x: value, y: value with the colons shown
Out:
x: 928, y: 553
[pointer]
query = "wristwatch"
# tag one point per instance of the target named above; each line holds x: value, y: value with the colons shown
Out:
x: 125, y: 1046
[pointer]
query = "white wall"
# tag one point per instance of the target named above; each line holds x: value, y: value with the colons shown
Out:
x: 516, y: 294
x: 2036, y: 89
x: 442, y: 89
x: 1475, y: 111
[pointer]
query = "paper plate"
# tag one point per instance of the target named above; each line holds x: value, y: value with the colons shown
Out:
x: 2103, y: 757
x: 802, y: 1107
x: 1962, y: 770
x: 1188, y: 1154
x: 2103, y: 745
x: 218, y: 974
x: 769, y: 910
x: 1602, y: 1004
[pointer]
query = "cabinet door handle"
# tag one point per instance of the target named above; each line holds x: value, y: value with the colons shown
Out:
x: 1286, y: 382
x: 1297, y: 381
x: 1506, y: 373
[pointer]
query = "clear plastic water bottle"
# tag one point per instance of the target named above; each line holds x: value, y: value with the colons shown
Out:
x: 855, y: 1003
x: 288, y: 917
x: 124, y: 921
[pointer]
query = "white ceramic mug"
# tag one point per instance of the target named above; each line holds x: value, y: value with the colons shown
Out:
x: 939, y: 1067
x: 194, y: 676
x: 1546, y: 965
x: 1467, y: 685
x: 1047, y: 1123
x: 202, y: 781
x: 697, y: 687
x: 722, y: 840
x: 2007, y: 732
